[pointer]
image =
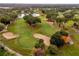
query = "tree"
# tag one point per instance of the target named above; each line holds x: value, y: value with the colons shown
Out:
x: 69, y: 24
x: 40, y: 44
x: 68, y: 15
x: 13, y: 15
x: 2, y: 50
x: 32, y: 21
x: 56, y: 38
x: 40, y: 48
x: 2, y: 26
x: 8, y: 15
x: 5, y: 19
x: 76, y: 17
x: 52, y: 50
x: 75, y: 25
x: 60, y: 18
x: 39, y: 52
x: 51, y: 17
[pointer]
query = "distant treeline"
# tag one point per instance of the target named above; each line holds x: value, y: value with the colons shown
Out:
x: 40, y: 5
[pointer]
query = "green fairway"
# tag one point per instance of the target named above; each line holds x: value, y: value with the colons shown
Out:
x: 48, y: 30
x: 45, y: 28
x: 25, y: 43
x: 26, y: 39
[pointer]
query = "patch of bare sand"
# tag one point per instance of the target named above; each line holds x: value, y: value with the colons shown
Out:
x: 9, y: 35
x: 43, y: 37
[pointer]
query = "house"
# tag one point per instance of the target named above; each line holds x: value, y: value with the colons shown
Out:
x: 21, y: 15
x: 35, y: 15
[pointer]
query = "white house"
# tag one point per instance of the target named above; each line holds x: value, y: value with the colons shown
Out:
x: 21, y: 15
x: 26, y: 14
x: 35, y: 15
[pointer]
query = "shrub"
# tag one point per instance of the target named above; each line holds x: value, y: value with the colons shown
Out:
x: 2, y: 26
x: 69, y: 23
x: 40, y: 48
x: 40, y: 44
x: 52, y: 50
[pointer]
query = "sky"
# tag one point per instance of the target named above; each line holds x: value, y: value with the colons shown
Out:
x: 41, y: 1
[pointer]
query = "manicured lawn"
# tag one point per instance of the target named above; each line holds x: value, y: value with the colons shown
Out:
x: 48, y: 30
x: 26, y: 39
x: 45, y: 28
x: 25, y: 43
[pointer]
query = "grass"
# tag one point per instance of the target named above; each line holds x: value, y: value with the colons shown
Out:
x: 45, y: 28
x: 25, y: 43
x: 5, y: 53
x: 26, y: 39
x: 69, y: 23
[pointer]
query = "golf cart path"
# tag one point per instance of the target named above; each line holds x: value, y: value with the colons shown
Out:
x: 43, y: 37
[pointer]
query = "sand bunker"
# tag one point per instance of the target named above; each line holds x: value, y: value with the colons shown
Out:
x: 43, y: 37
x: 9, y: 35
x: 50, y: 23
